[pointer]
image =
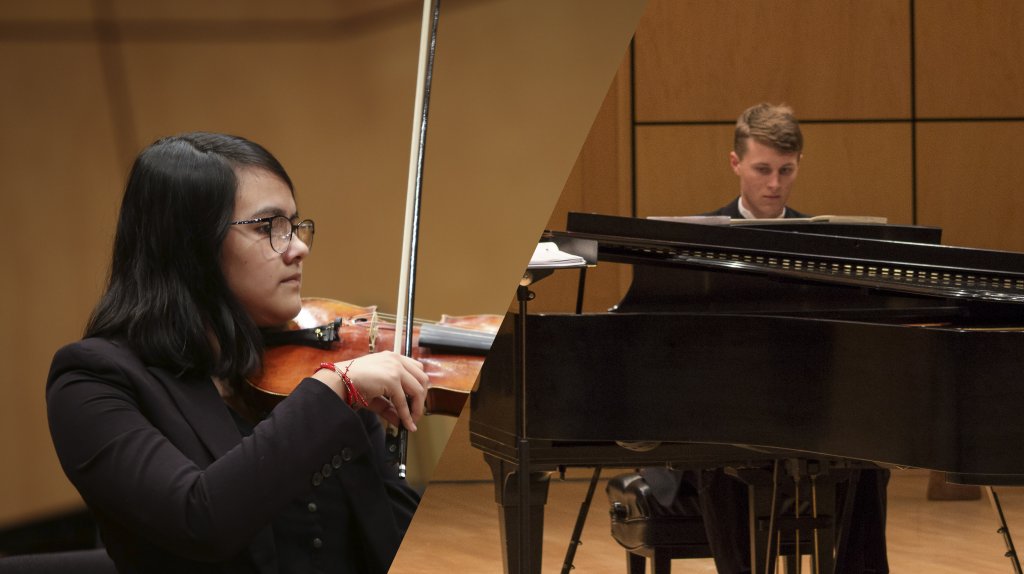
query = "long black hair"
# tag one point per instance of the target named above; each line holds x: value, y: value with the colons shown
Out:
x: 166, y: 296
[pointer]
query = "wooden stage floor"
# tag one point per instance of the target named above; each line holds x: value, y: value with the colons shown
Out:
x: 456, y: 530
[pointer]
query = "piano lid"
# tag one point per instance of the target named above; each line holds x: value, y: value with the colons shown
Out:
x: 899, y: 266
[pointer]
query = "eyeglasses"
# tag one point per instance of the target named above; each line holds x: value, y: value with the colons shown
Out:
x: 280, y: 230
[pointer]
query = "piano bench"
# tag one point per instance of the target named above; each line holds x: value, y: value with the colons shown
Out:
x: 649, y: 528
x: 655, y: 514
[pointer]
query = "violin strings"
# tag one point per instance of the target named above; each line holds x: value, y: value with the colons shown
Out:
x: 392, y: 317
x: 429, y: 323
x: 451, y: 331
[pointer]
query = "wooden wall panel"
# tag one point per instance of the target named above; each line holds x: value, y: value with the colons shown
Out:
x: 847, y: 169
x: 683, y: 170
x: 55, y: 10
x: 856, y: 169
x: 61, y: 189
x: 600, y: 182
x: 969, y: 58
x: 699, y: 60
x: 969, y: 182
x: 278, y: 13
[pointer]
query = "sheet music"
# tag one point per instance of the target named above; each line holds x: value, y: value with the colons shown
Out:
x: 547, y: 255
x: 815, y: 219
x: 701, y: 219
x: 724, y: 219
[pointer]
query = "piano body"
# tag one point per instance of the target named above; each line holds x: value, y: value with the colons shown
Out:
x: 858, y: 344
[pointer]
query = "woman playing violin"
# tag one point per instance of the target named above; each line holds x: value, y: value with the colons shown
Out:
x: 151, y: 415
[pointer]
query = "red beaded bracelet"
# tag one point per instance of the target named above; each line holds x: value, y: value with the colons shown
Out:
x: 355, y: 398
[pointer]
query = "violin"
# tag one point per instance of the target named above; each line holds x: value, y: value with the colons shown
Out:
x: 325, y: 330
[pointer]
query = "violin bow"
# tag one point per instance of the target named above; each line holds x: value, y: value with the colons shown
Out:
x: 410, y: 236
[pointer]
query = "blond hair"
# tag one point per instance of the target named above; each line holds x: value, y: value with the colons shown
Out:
x: 771, y: 125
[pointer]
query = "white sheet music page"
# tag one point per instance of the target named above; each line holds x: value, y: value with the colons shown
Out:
x: 724, y: 219
x: 701, y: 219
x: 547, y: 255
x: 816, y: 219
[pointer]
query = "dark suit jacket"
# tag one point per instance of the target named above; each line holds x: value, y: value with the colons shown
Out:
x: 733, y: 211
x: 175, y: 488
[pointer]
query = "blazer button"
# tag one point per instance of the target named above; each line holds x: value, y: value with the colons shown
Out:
x: 311, y: 507
x: 346, y: 454
x: 317, y: 543
x: 326, y: 470
x: 336, y: 461
x: 317, y: 479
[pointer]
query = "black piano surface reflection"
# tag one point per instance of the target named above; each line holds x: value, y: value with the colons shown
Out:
x: 739, y: 344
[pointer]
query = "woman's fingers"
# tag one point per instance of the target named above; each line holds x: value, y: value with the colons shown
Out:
x: 385, y: 409
x: 395, y: 386
x: 415, y: 391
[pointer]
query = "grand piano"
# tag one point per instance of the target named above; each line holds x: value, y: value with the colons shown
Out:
x: 834, y: 344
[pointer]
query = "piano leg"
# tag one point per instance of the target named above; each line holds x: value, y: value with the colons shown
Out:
x: 506, y: 494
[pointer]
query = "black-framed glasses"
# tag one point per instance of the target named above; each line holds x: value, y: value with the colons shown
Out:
x: 280, y: 229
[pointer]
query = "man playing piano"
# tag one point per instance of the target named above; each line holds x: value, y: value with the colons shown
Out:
x: 766, y: 157
x: 767, y: 148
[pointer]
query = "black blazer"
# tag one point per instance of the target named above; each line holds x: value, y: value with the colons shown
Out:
x: 733, y: 211
x: 175, y: 488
